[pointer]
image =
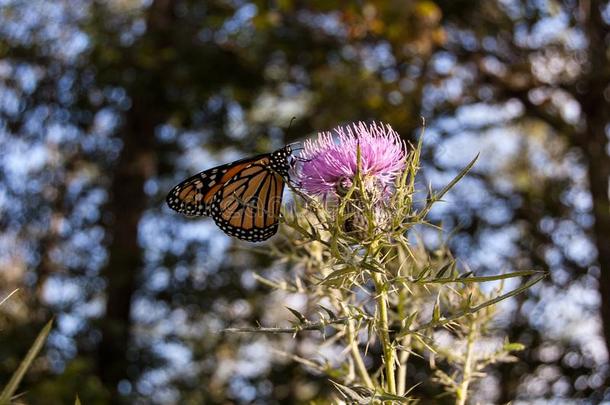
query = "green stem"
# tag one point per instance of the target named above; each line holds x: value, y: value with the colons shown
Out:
x: 403, y: 358
x: 383, y: 331
x: 462, y: 392
x: 403, y: 355
x: 352, y: 339
x: 359, y: 363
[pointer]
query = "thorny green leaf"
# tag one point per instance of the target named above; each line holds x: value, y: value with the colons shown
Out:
x: 436, y: 312
x: 302, y: 319
x: 444, y: 269
x: 409, y: 321
x: 356, y: 394
x: 513, y: 347
x: 11, y: 387
x: 9, y: 296
x: 329, y: 312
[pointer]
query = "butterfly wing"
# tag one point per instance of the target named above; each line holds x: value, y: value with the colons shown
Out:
x: 248, y: 205
x: 194, y: 195
x: 244, y: 197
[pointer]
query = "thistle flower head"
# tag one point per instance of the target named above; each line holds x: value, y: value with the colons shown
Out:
x: 330, y: 164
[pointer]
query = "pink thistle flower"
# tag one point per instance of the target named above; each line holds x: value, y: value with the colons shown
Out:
x: 329, y: 166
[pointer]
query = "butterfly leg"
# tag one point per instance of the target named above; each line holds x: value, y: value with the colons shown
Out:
x: 300, y: 159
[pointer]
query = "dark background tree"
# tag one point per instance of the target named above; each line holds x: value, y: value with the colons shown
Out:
x: 105, y: 105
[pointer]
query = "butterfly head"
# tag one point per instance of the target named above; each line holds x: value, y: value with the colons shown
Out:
x: 280, y: 161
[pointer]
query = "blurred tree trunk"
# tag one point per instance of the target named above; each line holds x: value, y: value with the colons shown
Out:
x: 128, y: 202
x: 596, y: 109
x: 136, y: 163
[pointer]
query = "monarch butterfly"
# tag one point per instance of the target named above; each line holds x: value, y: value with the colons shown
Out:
x: 243, y: 197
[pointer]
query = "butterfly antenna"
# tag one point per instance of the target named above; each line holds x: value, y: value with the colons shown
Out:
x: 298, y: 144
x: 293, y: 119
